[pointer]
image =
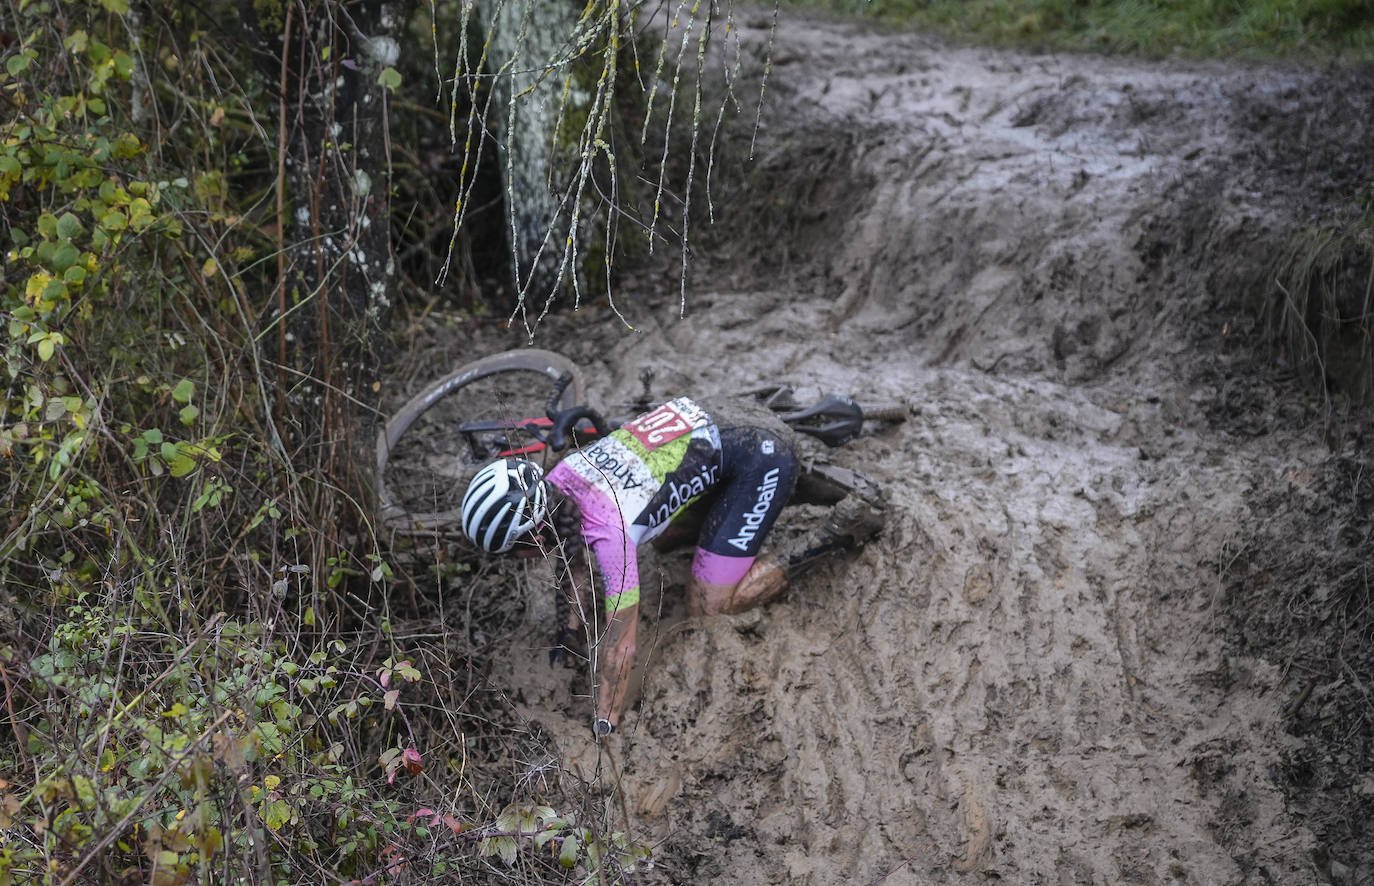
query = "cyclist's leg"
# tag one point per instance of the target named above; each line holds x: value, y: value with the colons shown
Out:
x: 852, y: 520
x: 764, y: 581
x: 770, y: 575
x: 760, y: 470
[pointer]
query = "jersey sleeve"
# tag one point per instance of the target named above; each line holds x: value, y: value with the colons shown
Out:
x: 619, y: 565
x: 605, y: 531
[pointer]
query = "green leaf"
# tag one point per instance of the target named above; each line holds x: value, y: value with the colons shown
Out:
x: 277, y: 814
x: 270, y: 738
x: 140, y: 213
x: 114, y: 221
x: 188, y: 415
x: 46, y: 349
x: 118, y: 7
x: 54, y: 292
x: 184, y: 391
x: 18, y: 64
x: 567, y: 855
x: 64, y: 257
x: 182, y: 465
x: 390, y: 78
x: 68, y: 226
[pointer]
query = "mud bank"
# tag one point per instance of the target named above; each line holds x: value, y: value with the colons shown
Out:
x: 1027, y: 676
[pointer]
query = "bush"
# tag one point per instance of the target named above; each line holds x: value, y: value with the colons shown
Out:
x: 202, y: 680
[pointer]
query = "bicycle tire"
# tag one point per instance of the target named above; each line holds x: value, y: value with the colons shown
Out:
x: 508, y: 384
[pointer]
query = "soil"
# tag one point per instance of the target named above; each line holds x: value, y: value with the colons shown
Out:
x: 1067, y: 658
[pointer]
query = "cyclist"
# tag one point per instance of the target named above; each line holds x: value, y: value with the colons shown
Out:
x: 732, y: 469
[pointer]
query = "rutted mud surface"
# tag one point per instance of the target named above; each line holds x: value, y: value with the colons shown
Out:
x: 1025, y: 678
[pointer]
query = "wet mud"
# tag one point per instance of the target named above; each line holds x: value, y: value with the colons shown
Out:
x: 1035, y: 674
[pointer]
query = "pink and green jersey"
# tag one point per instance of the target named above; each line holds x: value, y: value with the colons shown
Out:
x: 630, y: 484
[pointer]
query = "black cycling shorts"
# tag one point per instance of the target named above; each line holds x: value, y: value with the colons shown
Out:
x: 758, y: 473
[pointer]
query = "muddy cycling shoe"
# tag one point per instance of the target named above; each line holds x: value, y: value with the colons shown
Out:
x: 829, y: 484
x: 855, y: 520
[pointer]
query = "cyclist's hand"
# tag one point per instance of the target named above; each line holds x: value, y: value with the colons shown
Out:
x: 571, y: 648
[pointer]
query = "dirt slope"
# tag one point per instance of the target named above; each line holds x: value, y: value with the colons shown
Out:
x: 1025, y: 677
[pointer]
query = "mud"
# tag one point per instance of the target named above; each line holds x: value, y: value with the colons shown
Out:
x: 1033, y: 675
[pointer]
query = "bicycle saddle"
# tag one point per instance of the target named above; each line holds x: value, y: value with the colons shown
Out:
x: 834, y: 420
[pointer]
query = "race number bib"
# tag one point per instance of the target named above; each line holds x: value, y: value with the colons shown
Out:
x: 666, y: 423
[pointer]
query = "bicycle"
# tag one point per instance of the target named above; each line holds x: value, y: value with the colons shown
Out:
x: 530, y: 403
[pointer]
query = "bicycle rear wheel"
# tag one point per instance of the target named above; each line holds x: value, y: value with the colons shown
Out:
x: 424, y: 458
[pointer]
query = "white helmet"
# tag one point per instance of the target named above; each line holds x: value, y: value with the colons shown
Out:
x: 505, y: 500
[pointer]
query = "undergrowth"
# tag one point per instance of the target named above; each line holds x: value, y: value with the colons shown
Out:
x: 205, y: 676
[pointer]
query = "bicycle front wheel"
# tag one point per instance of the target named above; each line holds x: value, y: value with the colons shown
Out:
x: 430, y: 449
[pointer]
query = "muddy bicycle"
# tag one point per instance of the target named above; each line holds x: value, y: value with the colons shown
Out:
x: 531, y: 403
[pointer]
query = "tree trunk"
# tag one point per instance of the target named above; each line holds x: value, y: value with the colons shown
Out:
x: 537, y: 109
x: 335, y: 265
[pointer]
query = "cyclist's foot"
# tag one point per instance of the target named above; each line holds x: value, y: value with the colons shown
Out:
x: 854, y: 520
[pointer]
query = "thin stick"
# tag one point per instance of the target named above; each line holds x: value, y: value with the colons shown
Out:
x: 281, y: 208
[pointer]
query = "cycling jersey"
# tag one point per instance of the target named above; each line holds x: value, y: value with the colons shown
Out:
x: 630, y: 485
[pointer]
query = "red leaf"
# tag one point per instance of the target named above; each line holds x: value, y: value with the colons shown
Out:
x: 411, y: 757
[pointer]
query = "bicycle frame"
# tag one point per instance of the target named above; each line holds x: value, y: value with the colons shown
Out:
x: 833, y: 420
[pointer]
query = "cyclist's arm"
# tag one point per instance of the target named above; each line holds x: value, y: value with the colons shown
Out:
x: 615, y: 661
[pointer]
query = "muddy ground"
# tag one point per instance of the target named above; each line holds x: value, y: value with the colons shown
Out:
x: 1036, y: 674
